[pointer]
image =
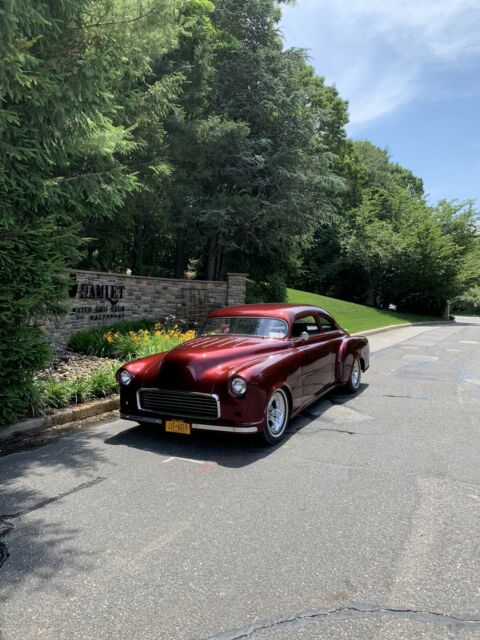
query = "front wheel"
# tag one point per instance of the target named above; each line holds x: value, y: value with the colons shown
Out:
x: 355, y: 376
x: 276, y: 418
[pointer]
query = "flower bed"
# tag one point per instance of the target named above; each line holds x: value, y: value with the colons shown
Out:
x: 138, y: 344
x: 73, y: 378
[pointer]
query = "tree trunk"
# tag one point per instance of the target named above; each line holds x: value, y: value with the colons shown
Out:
x: 219, y: 265
x: 211, y: 254
x: 180, y: 255
x: 370, y: 298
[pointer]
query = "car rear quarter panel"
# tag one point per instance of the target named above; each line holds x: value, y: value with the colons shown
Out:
x: 350, y: 348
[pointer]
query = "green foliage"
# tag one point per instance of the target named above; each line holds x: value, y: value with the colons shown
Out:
x: 47, y: 395
x: 128, y: 339
x: 468, y: 303
x: 274, y: 290
x: 22, y: 351
x: 399, y: 249
x: 246, y: 147
x: 64, y: 154
x: 377, y: 170
x: 145, y: 343
x: 393, y: 242
x: 93, y: 341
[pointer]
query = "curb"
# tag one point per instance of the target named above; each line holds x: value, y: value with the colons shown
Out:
x: 391, y: 327
x: 80, y: 412
x: 99, y: 407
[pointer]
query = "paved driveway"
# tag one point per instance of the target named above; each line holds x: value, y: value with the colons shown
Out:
x: 363, y: 524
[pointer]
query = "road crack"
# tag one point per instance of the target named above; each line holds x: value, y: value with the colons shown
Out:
x: 6, y: 526
x: 352, y: 611
x: 312, y: 416
x: 4, y: 531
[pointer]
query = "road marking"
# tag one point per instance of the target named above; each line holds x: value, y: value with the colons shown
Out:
x: 130, y: 562
x: 422, y: 359
x: 185, y: 459
x: 208, y: 466
x: 468, y: 342
x: 163, y: 539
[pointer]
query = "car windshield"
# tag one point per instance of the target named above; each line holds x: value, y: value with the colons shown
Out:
x: 264, y: 327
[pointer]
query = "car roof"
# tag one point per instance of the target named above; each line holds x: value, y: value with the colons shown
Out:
x: 267, y: 310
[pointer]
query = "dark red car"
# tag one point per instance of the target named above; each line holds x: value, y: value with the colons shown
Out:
x: 250, y: 369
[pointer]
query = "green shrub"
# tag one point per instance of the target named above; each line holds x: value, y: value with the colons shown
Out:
x: 35, y: 400
x: 93, y: 342
x: 23, y: 351
x: 79, y: 390
x: 48, y: 394
x: 275, y: 290
x: 468, y: 302
x: 102, y: 382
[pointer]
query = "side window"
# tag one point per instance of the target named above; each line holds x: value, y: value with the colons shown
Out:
x: 326, y: 324
x: 305, y: 323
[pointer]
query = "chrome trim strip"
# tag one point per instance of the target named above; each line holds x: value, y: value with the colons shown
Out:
x: 219, y: 413
x: 219, y: 427
x: 193, y: 393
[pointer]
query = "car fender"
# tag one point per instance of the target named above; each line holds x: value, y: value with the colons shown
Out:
x: 144, y: 369
x: 352, y: 347
x: 277, y: 370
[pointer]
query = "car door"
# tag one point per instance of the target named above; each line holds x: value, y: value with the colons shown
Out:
x: 334, y: 337
x: 315, y: 355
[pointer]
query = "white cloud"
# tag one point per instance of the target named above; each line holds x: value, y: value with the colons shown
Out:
x: 381, y: 54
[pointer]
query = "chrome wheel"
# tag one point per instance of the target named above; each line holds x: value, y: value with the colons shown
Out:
x: 355, y: 375
x: 277, y: 413
x: 353, y: 382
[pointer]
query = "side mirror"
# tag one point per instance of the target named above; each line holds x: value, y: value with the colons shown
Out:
x: 304, y: 336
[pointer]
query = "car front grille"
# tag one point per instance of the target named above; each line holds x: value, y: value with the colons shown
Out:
x: 182, y: 404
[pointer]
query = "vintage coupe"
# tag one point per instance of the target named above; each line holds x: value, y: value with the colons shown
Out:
x: 250, y: 369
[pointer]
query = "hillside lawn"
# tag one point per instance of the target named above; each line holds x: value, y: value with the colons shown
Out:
x: 356, y: 317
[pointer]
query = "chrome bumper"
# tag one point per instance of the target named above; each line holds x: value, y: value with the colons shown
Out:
x: 195, y: 425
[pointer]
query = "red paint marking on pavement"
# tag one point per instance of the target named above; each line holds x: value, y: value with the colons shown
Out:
x: 208, y: 466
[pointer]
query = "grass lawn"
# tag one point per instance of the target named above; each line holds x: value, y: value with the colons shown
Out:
x: 355, y: 317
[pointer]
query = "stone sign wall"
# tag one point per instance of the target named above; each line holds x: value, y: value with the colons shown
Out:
x: 97, y: 299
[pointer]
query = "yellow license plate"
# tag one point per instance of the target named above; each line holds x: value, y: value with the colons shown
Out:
x: 177, y: 426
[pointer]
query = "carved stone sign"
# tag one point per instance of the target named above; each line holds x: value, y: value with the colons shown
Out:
x: 106, y: 297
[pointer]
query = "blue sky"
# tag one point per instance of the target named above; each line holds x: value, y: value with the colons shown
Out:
x: 410, y: 70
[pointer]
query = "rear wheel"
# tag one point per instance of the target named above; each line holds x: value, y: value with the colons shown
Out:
x: 276, y: 417
x: 355, y: 377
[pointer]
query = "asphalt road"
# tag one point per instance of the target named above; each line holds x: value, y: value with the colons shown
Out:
x: 363, y: 524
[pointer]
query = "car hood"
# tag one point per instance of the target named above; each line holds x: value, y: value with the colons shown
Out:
x: 199, y: 364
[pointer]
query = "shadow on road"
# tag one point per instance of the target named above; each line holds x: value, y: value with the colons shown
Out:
x: 227, y: 450
x: 31, y: 543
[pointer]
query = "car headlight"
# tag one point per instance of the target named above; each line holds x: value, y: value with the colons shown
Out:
x: 125, y: 377
x: 238, y: 386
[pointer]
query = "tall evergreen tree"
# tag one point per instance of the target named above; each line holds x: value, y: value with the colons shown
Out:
x: 62, y: 155
x: 283, y: 184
